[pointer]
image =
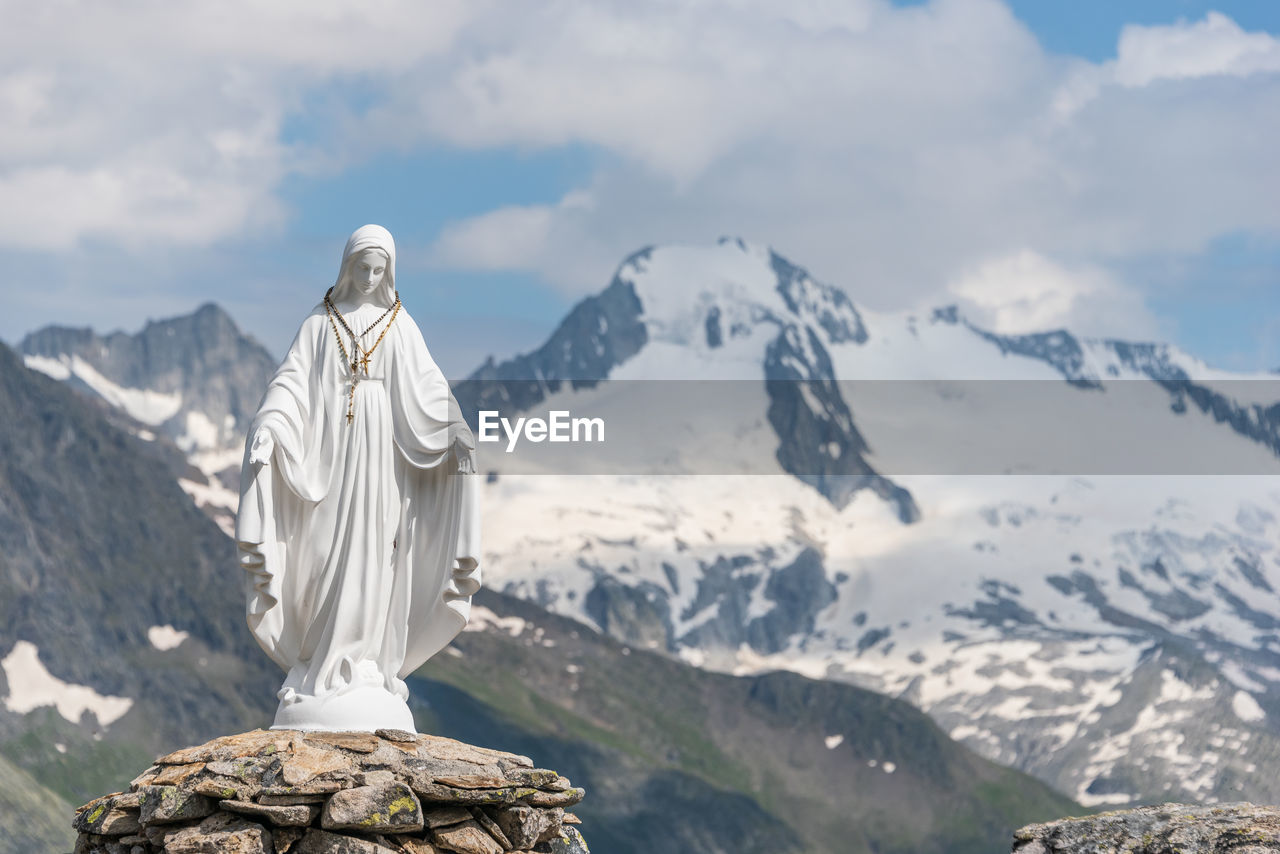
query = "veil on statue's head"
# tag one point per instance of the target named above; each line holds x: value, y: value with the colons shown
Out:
x: 368, y: 237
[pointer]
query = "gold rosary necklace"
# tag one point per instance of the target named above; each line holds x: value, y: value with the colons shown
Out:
x: 358, y: 358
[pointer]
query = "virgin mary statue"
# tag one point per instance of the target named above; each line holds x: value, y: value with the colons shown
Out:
x: 358, y: 525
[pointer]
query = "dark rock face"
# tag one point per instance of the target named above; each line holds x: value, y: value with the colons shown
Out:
x: 829, y: 306
x: 818, y: 440
x: 639, y: 614
x: 89, y: 521
x: 1063, y: 352
x: 1059, y: 348
x: 1177, y: 604
x: 715, y: 336
x: 219, y: 371
x: 600, y: 333
x: 1188, y: 829
x: 276, y: 790
x: 799, y: 591
x: 726, y: 585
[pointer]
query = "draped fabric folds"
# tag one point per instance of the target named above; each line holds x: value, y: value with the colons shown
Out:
x: 360, y: 537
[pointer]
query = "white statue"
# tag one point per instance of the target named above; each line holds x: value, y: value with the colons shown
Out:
x: 359, y: 517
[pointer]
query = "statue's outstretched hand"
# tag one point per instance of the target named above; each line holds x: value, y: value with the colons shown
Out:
x: 264, y: 444
x: 466, y: 462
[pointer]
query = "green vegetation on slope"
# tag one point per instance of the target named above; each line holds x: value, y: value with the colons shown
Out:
x: 32, y: 818
x: 893, y: 783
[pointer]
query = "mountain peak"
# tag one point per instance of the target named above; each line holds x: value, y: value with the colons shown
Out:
x: 195, y: 378
x: 728, y: 239
x: 212, y: 313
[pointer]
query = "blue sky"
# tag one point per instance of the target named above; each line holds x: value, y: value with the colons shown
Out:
x: 1090, y: 28
x: 1100, y: 165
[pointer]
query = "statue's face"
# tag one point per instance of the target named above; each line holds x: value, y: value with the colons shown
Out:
x: 367, y: 270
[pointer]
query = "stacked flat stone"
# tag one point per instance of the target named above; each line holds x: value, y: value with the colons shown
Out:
x: 389, y: 792
x: 1187, y: 829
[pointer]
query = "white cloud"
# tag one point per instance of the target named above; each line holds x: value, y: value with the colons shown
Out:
x: 888, y: 152
x: 144, y: 123
x: 132, y: 202
x: 516, y: 237
x: 1216, y: 45
x: 510, y: 238
x: 1027, y: 292
x: 676, y: 86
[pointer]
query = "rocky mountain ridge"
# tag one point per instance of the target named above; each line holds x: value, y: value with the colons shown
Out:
x: 195, y: 380
x: 1239, y: 827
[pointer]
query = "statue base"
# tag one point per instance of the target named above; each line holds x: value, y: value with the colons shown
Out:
x: 360, y: 709
x: 374, y: 793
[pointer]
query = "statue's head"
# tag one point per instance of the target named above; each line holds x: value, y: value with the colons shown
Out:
x: 368, y: 271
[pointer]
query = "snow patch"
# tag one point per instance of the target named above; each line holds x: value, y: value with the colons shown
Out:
x: 221, y: 502
x: 1089, y: 800
x: 483, y: 619
x: 1247, y: 708
x: 211, y: 494
x: 678, y: 284
x: 210, y: 462
x: 692, y: 656
x: 55, y: 368
x: 165, y: 638
x: 751, y: 662
x: 149, y: 407
x: 200, y: 433
x: 1238, y: 676
x: 32, y: 686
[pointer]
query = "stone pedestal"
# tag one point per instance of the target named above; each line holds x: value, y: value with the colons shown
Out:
x: 388, y: 792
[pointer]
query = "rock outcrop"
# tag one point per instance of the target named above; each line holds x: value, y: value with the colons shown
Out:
x: 1187, y: 829
x: 389, y: 792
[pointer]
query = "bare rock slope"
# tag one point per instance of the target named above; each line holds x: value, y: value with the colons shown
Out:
x: 1188, y: 829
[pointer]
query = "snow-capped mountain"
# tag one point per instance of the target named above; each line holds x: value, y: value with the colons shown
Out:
x: 1117, y: 635
x: 196, y: 380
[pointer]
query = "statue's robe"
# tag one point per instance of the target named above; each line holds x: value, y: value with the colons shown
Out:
x: 360, y: 540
